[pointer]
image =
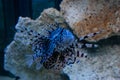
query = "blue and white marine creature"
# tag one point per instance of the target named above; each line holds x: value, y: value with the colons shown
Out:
x: 56, y: 50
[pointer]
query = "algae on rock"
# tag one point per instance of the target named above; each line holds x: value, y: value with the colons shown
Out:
x: 15, y: 60
x: 88, y: 16
x: 83, y: 17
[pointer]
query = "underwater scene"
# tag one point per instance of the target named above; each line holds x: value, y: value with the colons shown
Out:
x: 60, y: 40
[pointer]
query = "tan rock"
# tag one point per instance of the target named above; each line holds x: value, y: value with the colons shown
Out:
x: 88, y: 16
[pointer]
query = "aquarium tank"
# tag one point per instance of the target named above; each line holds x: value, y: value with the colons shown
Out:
x: 59, y: 39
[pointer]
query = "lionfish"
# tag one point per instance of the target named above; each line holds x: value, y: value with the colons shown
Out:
x: 58, y: 49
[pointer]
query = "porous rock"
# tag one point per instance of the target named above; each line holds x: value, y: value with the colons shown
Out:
x: 19, y: 48
x: 88, y: 16
x: 100, y: 65
x: 104, y: 64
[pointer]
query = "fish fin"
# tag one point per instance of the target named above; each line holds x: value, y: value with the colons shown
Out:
x: 29, y: 60
x: 90, y: 35
x: 89, y: 45
x: 38, y: 66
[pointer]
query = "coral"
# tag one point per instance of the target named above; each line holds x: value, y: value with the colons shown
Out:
x: 86, y: 16
x: 102, y: 65
x: 58, y: 40
x: 84, y: 22
x: 41, y: 40
x: 16, y: 51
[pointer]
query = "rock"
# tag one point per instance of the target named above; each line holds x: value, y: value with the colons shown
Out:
x: 84, y: 17
x: 5, y: 78
x: 51, y: 15
x: 104, y: 64
x: 88, y: 16
x: 15, y: 60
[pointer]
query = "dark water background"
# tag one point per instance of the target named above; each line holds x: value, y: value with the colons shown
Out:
x: 10, y: 10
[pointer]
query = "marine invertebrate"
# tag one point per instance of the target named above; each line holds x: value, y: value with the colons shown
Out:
x: 57, y: 49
